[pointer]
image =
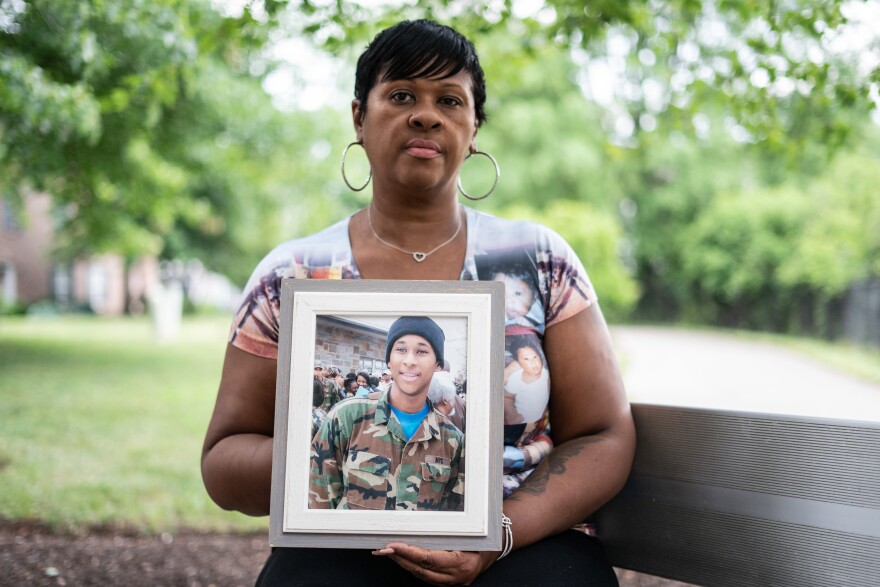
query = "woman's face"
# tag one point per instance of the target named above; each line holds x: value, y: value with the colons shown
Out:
x: 352, y: 385
x: 418, y: 132
x: 362, y: 382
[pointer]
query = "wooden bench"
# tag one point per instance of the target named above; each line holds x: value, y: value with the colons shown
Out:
x: 734, y: 498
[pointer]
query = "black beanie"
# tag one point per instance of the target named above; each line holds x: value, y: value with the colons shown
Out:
x: 420, y: 325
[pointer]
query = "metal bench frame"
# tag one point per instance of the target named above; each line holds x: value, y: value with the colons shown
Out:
x: 735, y: 498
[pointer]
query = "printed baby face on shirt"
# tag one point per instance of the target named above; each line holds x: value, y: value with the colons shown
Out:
x: 518, y: 297
x: 530, y: 361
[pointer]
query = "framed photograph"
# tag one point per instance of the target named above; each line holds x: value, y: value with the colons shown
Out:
x: 389, y: 415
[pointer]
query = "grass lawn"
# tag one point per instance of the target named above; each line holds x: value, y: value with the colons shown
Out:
x: 99, y: 424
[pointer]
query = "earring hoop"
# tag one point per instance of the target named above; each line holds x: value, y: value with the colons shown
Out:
x: 494, y: 184
x: 342, y: 168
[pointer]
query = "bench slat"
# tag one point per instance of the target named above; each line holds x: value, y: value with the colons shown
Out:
x: 732, y: 498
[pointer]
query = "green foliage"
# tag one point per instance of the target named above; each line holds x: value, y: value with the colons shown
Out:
x: 546, y: 136
x: 14, y: 309
x: 554, y: 163
x: 735, y: 251
x: 596, y: 237
x: 668, y: 180
x: 769, y: 66
x: 737, y: 109
x: 715, y: 244
x: 99, y: 79
x: 114, y: 108
x: 840, y: 241
x: 148, y: 123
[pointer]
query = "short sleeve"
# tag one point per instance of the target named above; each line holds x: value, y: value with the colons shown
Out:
x: 323, y: 255
x: 569, y: 290
x: 255, y: 327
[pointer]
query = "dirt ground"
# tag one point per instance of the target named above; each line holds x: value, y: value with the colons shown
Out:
x: 31, y: 554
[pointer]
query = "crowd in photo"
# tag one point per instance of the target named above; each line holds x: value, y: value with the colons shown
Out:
x: 447, y: 392
x: 526, y: 379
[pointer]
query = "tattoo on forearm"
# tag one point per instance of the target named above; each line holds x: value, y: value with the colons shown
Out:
x: 554, y: 464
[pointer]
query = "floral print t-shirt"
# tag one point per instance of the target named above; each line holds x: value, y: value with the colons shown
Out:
x: 545, y: 283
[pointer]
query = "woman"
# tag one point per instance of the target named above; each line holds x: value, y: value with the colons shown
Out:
x: 419, y: 103
x: 351, y: 387
x: 363, y: 381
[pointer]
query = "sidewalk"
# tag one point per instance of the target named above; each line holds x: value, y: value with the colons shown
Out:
x: 680, y: 367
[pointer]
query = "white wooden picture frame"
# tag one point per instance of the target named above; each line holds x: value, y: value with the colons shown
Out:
x: 479, y: 308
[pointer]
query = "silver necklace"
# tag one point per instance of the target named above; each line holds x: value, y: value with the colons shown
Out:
x: 418, y: 256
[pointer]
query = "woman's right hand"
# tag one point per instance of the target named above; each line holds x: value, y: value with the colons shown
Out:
x: 439, y: 567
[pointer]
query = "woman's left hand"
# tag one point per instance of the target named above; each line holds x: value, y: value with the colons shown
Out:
x: 440, y: 567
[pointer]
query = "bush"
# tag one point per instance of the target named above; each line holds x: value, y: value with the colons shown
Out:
x: 11, y: 309
x: 43, y: 308
x: 597, y: 239
x: 733, y: 255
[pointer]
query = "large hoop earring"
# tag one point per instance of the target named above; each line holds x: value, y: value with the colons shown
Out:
x: 494, y: 184
x: 342, y: 168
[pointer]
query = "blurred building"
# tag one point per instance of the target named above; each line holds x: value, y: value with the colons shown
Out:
x: 103, y: 284
x: 25, y: 251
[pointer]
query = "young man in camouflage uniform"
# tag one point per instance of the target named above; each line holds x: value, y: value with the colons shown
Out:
x: 393, y: 452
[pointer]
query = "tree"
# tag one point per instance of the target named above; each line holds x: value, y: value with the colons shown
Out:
x: 546, y: 136
x: 734, y: 254
x: 840, y: 244
x: 770, y: 67
x: 113, y: 107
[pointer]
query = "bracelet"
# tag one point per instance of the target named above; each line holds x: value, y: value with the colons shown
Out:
x: 508, y: 536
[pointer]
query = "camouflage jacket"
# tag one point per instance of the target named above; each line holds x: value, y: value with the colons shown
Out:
x: 360, y: 459
x: 331, y: 393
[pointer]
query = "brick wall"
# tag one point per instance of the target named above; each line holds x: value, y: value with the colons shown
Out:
x: 345, y: 346
x: 25, y: 251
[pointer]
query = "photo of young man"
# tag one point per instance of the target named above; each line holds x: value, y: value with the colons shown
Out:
x: 392, y: 450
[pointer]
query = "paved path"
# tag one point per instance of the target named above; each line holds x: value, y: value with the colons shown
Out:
x: 715, y: 370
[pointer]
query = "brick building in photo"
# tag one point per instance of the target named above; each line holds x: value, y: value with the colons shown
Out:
x: 349, y: 345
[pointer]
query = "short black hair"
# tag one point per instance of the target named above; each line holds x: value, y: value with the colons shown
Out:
x: 419, y: 49
x: 317, y: 393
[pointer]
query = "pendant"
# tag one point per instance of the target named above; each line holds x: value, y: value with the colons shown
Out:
x: 419, y: 256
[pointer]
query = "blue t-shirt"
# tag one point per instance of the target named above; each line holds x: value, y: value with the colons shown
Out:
x: 410, y: 422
